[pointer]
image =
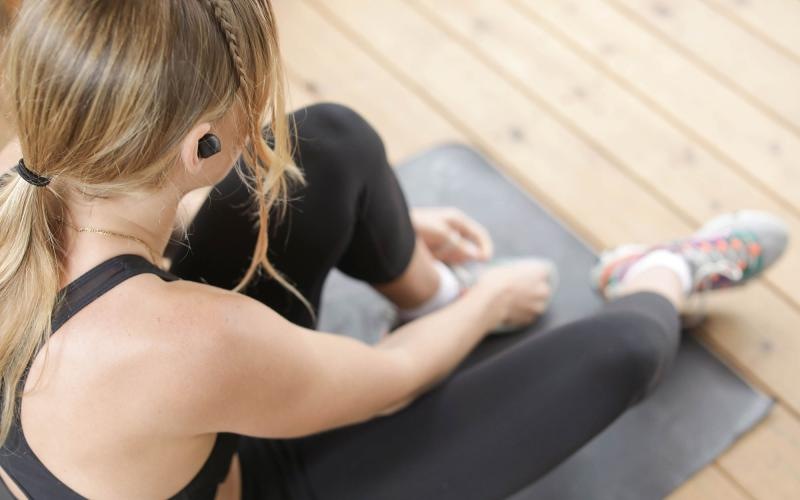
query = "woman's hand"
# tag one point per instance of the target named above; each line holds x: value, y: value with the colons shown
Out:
x: 522, y: 290
x: 451, y: 235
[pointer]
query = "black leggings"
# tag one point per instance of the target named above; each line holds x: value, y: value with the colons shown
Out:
x: 490, y: 428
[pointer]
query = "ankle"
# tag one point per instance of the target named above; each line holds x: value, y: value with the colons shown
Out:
x: 662, y: 280
x: 447, y: 290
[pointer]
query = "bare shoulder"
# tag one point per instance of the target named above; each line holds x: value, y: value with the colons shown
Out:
x: 154, y: 351
x: 205, y: 340
x: 258, y: 374
x: 224, y: 362
x: 190, y: 320
x: 200, y: 317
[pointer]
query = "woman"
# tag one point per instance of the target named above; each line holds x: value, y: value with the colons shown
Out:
x: 165, y: 384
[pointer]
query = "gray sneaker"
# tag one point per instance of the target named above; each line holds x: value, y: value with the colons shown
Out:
x: 468, y: 273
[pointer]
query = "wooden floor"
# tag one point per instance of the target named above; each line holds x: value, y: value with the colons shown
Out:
x: 632, y: 120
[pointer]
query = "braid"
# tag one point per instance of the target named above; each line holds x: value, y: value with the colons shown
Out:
x: 233, y: 45
x: 262, y: 155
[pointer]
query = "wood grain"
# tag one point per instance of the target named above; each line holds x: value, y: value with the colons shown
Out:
x: 737, y: 58
x: 732, y: 129
x: 707, y: 484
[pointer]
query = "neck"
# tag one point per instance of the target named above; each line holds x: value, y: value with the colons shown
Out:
x: 148, y: 217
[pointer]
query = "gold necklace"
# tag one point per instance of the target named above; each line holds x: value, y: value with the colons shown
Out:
x: 153, y: 255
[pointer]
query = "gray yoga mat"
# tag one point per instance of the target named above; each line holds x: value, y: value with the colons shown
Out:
x: 696, y: 413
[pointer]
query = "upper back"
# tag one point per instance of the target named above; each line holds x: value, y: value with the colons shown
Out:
x: 94, y: 404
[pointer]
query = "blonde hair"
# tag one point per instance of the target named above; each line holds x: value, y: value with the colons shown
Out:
x: 101, y: 95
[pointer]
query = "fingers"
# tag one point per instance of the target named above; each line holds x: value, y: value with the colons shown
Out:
x: 471, y: 231
x: 457, y: 249
x: 536, y: 295
x: 525, y: 314
x: 452, y: 236
x: 531, y: 304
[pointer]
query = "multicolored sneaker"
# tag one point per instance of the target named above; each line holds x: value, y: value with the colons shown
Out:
x: 468, y: 274
x: 728, y: 251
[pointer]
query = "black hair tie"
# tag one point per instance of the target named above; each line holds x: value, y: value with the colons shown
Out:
x: 31, y: 177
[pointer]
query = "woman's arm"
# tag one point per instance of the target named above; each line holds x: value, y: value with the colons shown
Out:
x: 261, y: 375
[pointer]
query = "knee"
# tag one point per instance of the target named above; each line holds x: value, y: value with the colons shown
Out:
x: 334, y: 116
x: 339, y: 133
x: 638, y: 350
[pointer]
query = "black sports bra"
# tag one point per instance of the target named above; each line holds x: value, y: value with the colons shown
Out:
x: 22, y: 464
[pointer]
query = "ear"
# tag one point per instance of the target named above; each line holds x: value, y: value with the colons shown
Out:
x: 189, y: 157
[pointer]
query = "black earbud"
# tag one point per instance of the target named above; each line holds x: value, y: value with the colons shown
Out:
x: 208, y: 146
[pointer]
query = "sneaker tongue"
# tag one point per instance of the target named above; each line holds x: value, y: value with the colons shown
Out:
x: 720, y: 258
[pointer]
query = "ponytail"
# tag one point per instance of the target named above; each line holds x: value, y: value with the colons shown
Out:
x: 28, y: 283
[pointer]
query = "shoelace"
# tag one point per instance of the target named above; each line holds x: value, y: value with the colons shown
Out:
x: 740, y: 259
x: 735, y: 257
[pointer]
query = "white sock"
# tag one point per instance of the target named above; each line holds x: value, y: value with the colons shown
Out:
x: 663, y: 258
x: 449, y: 289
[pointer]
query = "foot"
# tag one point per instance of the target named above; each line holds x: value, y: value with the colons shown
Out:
x: 468, y: 273
x: 728, y: 251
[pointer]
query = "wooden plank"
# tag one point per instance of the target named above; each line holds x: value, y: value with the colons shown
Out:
x: 542, y: 154
x: 736, y: 57
x: 732, y: 130
x: 747, y: 328
x: 706, y: 484
x: 680, y: 171
x: 341, y: 72
x: 766, y: 461
x: 568, y: 175
x: 298, y: 95
x: 775, y: 21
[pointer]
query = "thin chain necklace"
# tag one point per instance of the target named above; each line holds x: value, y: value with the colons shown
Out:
x: 153, y: 255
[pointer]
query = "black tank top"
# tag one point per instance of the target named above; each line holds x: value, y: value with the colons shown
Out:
x: 17, y: 458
